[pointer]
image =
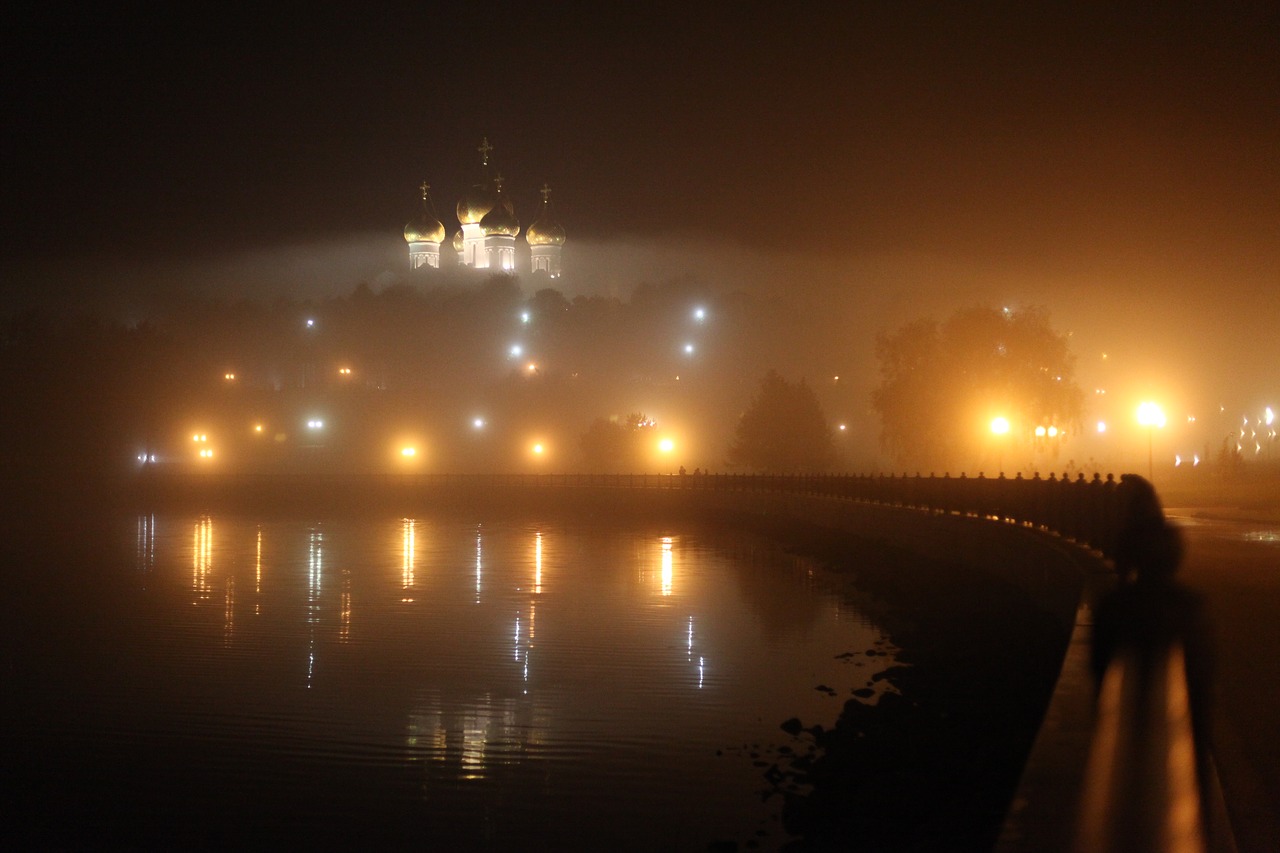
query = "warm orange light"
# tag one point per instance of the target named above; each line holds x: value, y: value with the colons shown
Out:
x: 257, y: 428
x: 666, y: 445
x: 408, y: 451
x: 1150, y: 415
x: 538, y: 449
x: 228, y: 376
x: 999, y: 426
x: 344, y: 371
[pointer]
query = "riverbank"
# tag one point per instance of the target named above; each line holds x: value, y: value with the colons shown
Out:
x: 935, y: 763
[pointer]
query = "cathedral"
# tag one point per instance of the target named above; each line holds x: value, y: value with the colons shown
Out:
x: 489, y: 228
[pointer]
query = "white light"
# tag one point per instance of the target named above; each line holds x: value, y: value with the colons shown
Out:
x: 1269, y: 417
x: 999, y: 426
x: 1151, y: 415
x: 524, y: 316
x: 517, y: 351
x: 1177, y: 460
x: 1195, y: 460
x: 408, y: 451
x: 1040, y: 432
x: 666, y: 445
x: 1053, y: 432
x: 311, y: 324
x: 315, y: 423
x: 1102, y: 426
x: 842, y: 427
x: 699, y: 314
x: 688, y: 348
x: 478, y: 423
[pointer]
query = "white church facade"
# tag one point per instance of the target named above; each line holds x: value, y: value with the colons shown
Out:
x: 486, y: 238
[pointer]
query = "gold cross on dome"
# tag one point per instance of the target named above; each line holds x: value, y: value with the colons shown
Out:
x: 425, y: 187
x: 484, y: 150
x: 546, y: 192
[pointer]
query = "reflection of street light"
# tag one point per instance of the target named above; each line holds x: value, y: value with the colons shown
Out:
x: 1151, y: 416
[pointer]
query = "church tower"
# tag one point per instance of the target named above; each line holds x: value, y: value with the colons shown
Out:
x: 424, y: 234
x: 546, y: 238
x: 486, y: 239
x: 500, y: 228
x: 472, y: 208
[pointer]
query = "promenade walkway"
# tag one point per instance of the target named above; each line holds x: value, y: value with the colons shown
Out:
x: 1233, y: 559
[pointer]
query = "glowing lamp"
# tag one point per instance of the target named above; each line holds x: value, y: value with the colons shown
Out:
x: 1150, y: 415
x: 999, y: 426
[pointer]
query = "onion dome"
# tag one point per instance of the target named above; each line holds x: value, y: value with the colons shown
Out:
x: 459, y: 242
x: 425, y: 227
x: 479, y: 200
x: 545, y: 230
x: 501, y: 220
x: 473, y: 206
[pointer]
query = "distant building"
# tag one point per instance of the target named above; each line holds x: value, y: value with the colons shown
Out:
x: 424, y: 234
x: 486, y: 238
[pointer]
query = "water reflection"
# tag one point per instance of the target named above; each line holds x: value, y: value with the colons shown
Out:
x: 479, y: 562
x: 202, y: 559
x: 315, y: 575
x: 408, y: 549
x: 466, y: 738
x: 257, y: 575
x: 668, y: 569
x: 344, y: 611
x: 146, y: 545
x: 537, y: 563
x: 593, y: 710
x: 229, y: 611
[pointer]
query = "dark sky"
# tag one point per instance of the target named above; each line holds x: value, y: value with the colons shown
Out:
x: 881, y: 160
x: 994, y: 130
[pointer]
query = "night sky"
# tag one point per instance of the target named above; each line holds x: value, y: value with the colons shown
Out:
x: 1115, y: 166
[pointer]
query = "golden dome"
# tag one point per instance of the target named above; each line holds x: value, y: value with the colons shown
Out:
x: 425, y: 227
x: 501, y: 219
x: 480, y: 199
x: 473, y: 206
x: 545, y: 230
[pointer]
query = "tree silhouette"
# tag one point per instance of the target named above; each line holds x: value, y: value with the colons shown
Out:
x: 943, y: 384
x: 783, y: 431
x: 618, y: 446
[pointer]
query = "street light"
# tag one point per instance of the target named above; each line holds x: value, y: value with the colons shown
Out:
x: 1151, y: 416
x: 999, y: 428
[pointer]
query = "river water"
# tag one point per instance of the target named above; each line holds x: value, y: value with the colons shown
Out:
x: 221, y: 680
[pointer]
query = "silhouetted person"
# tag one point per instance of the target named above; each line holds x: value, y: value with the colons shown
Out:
x: 1148, y: 618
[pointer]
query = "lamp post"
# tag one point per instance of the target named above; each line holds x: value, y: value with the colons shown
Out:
x: 1151, y: 416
